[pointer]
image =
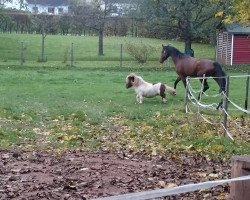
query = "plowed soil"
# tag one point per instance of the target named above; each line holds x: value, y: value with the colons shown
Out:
x: 26, y: 175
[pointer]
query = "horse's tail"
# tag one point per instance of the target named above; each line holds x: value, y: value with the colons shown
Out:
x: 221, y: 74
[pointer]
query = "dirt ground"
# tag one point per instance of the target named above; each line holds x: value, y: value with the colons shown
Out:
x: 26, y: 175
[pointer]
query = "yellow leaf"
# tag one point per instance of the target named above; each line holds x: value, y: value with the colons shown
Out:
x: 219, y: 14
x: 212, y: 175
x: 170, y: 185
x: 154, y: 153
x: 218, y: 148
x: 201, y: 174
x: 227, y: 20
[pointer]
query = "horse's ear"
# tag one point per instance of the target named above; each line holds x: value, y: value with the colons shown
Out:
x: 162, y: 46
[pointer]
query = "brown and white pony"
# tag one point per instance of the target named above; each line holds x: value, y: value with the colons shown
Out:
x: 146, y: 89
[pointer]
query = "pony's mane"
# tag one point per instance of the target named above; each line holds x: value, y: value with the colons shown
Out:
x: 175, y: 52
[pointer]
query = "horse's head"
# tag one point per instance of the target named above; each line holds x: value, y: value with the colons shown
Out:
x: 164, y: 54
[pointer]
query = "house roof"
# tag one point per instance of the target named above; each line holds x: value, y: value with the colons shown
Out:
x: 236, y: 28
x: 49, y: 2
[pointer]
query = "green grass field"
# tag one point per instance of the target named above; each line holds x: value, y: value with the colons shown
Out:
x: 85, y: 48
x: 51, y: 105
x: 92, y: 109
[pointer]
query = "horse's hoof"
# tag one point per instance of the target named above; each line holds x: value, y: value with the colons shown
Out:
x: 219, y: 106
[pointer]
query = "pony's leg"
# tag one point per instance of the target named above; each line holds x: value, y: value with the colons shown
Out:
x: 163, y: 97
x: 162, y: 93
x: 177, y: 81
x: 139, y: 98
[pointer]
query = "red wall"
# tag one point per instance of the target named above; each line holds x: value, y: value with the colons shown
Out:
x: 241, y: 50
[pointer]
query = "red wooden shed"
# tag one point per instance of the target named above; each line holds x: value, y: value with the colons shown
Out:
x: 233, y: 45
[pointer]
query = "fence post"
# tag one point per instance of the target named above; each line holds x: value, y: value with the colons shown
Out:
x: 72, y: 55
x: 240, y: 190
x: 121, y: 55
x: 43, y: 47
x: 247, y: 91
x: 186, y: 96
x: 22, y: 54
x: 225, y: 104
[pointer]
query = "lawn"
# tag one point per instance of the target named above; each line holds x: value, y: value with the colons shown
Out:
x: 54, y: 106
x: 91, y: 109
x: 57, y: 48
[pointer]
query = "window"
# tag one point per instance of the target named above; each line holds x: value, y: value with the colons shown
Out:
x: 51, y: 10
x: 60, y: 10
x: 35, y: 9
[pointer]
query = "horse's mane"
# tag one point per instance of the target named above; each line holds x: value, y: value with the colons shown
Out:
x: 175, y: 52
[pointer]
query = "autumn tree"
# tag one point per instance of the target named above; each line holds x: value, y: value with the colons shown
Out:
x: 94, y: 15
x: 239, y: 11
x: 103, y: 9
x: 187, y: 19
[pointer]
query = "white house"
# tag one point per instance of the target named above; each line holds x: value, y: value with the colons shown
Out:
x: 53, y: 7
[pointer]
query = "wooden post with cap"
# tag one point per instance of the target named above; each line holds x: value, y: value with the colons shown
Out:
x: 240, y: 190
x: 247, y: 90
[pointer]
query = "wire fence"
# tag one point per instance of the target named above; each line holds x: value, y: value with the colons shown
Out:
x: 69, y: 54
x: 69, y: 50
x: 200, y: 104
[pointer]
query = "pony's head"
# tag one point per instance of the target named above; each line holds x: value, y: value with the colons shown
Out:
x: 131, y: 80
x: 164, y: 53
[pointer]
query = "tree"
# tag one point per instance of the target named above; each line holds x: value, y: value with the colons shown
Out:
x: 45, y: 24
x: 3, y: 2
x: 103, y: 9
x: 188, y: 19
x: 93, y: 15
x: 239, y: 11
x: 64, y: 24
x: 80, y: 12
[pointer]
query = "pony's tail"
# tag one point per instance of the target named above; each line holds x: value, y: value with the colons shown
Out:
x: 220, y: 73
x: 170, y: 90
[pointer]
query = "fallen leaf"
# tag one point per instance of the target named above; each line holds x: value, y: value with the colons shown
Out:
x: 162, y: 183
x: 213, y: 175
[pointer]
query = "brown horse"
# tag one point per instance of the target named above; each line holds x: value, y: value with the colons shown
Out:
x: 186, y: 65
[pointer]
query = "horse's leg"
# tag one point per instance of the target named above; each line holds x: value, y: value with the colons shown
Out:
x: 222, y: 88
x: 185, y: 85
x: 219, y: 105
x: 177, y: 81
x: 205, y: 88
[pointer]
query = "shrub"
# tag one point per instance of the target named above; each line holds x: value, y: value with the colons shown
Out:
x: 140, y: 52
